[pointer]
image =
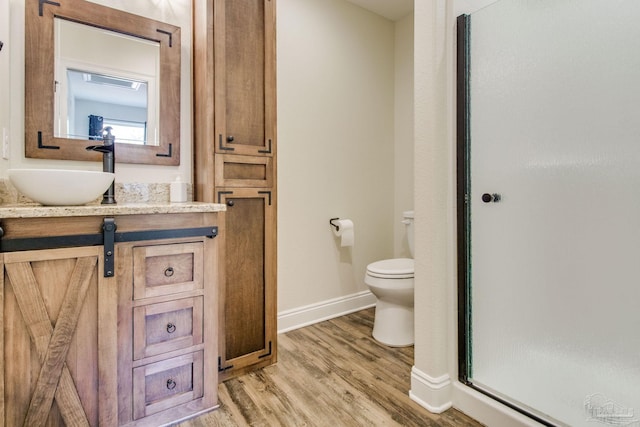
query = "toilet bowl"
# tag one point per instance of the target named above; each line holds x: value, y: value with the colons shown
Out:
x: 391, y: 281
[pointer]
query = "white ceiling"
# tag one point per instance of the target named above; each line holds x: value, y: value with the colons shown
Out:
x: 390, y: 9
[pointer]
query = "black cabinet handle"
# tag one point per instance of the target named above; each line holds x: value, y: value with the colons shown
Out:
x: 230, y: 202
x: 168, y: 272
x: 171, y: 328
x: 171, y: 384
x: 230, y: 138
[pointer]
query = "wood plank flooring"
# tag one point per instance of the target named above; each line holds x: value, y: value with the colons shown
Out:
x: 332, y: 374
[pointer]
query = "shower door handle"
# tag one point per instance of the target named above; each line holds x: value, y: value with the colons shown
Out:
x: 488, y: 198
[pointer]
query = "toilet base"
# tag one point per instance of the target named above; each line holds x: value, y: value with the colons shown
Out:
x: 393, y: 324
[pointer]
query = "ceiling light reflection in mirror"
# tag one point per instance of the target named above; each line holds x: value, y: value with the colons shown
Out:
x: 101, y: 73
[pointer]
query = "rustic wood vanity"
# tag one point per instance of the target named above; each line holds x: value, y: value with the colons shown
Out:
x: 109, y: 314
x: 123, y: 315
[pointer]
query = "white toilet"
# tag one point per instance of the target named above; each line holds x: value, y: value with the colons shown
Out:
x: 391, y: 281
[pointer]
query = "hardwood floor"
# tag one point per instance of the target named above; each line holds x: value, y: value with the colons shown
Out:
x: 333, y: 374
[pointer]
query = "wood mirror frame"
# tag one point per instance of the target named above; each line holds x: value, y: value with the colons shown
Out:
x: 40, y: 141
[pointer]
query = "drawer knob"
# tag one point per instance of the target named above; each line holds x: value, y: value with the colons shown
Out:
x: 171, y: 328
x: 171, y: 384
x: 168, y: 272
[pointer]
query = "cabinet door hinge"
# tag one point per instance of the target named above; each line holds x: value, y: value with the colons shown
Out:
x: 266, y: 354
x: 222, y: 147
x: 268, y: 193
x: 267, y: 151
x: 220, y: 368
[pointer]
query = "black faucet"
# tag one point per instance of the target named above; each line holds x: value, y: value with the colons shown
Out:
x: 108, y: 162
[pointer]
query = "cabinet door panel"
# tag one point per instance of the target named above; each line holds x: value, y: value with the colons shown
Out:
x: 244, y: 57
x: 245, y: 77
x: 249, y: 316
x: 245, y: 277
x: 50, y: 312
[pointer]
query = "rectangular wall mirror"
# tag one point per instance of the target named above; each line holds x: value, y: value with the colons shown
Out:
x: 89, y: 66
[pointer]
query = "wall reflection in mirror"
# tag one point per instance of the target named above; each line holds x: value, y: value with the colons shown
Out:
x: 104, y: 78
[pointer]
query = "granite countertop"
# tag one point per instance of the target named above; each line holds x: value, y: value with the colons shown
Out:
x: 39, y: 211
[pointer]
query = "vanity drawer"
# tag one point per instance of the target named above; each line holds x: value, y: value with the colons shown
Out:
x: 159, y: 328
x: 167, y: 269
x: 166, y: 384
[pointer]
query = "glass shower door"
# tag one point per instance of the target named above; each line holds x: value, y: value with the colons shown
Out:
x: 554, y: 208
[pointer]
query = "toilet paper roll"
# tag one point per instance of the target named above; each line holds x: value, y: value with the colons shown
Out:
x: 344, y: 231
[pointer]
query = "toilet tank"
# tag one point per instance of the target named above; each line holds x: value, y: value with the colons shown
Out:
x: 407, y: 219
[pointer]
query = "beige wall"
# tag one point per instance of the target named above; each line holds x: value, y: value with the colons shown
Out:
x: 335, y: 152
x: 176, y: 12
x: 5, y: 83
x: 403, y: 126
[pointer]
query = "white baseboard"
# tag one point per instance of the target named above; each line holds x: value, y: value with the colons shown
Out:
x: 289, y: 320
x: 439, y: 394
x: 488, y: 411
x: 434, y: 394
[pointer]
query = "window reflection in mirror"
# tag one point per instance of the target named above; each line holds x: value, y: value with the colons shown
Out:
x: 106, y: 75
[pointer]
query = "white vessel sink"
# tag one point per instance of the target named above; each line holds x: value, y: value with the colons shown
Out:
x: 57, y: 187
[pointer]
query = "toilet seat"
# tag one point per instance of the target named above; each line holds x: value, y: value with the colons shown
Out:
x: 397, y: 268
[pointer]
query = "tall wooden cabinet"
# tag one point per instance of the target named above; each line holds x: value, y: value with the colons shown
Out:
x: 235, y: 163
